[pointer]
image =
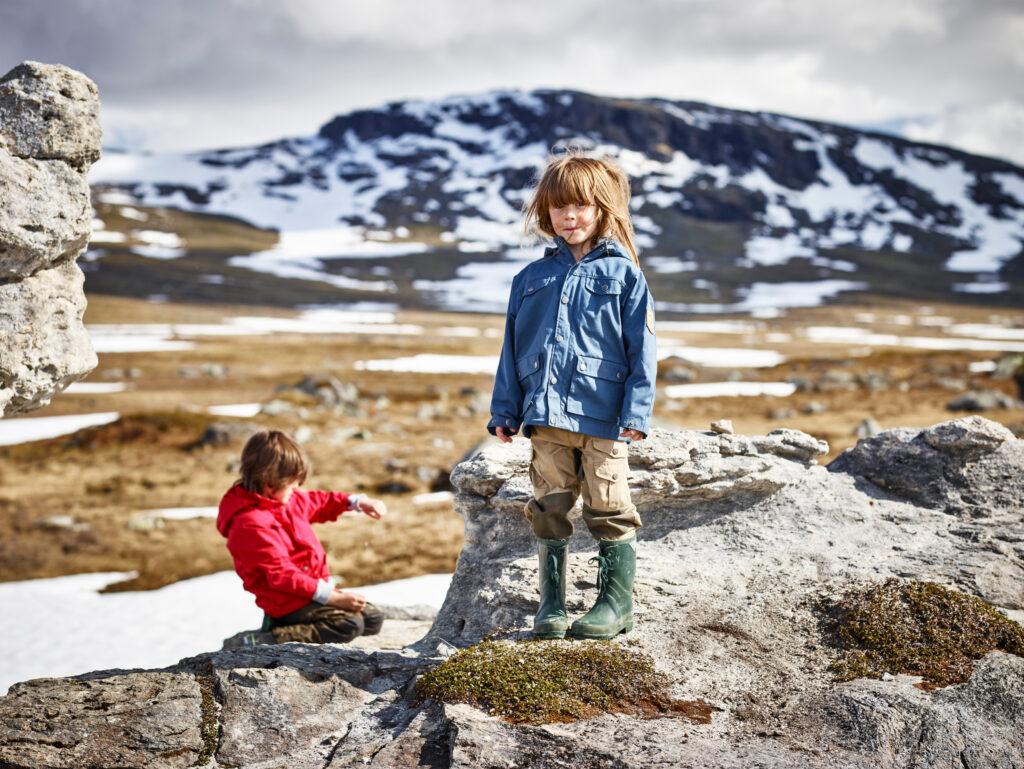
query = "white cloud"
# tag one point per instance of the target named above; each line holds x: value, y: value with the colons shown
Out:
x: 226, y: 72
x: 989, y: 129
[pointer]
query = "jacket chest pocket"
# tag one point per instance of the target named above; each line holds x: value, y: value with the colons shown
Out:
x: 600, y: 290
x: 536, y: 288
x: 597, y: 387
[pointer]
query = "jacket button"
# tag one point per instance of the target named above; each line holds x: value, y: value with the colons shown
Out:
x: 553, y: 380
x: 560, y: 338
x: 604, y: 287
x: 615, y: 476
x: 565, y: 300
x: 536, y: 364
x: 305, y: 568
x: 583, y: 367
x: 618, y: 375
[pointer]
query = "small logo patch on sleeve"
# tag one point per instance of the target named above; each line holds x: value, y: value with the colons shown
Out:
x: 650, y: 319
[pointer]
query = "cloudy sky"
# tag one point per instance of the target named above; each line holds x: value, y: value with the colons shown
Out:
x: 178, y: 74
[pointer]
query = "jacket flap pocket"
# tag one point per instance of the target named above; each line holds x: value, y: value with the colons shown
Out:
x: 603, y: 285
x: 534, y: 285
x: 529, y: 364
x: 601, y: 368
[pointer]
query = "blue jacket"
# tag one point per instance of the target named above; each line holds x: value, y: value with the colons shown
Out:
x: 579, y: 350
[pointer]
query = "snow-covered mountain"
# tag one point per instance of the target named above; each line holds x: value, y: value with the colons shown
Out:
x: 735, y: 210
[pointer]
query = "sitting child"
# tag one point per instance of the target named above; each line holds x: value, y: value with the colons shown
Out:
x: 267, y: 521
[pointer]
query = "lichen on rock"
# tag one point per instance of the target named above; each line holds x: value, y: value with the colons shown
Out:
x: 919, y: 628
x: 537, y: 682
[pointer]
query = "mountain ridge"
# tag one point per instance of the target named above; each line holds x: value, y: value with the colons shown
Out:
x: 727, y: 198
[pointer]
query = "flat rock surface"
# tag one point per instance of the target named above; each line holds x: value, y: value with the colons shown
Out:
x: 743, y: 536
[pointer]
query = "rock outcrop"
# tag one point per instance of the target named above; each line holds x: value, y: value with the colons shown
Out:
x: 49, y: 136
x: 744, y: 537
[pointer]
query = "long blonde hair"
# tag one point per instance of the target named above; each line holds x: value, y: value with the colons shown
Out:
x: 577, y: 177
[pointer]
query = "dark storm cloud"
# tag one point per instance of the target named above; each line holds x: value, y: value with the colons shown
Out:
x: 236, y: 71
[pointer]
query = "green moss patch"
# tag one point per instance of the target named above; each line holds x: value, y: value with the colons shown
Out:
x: 918, y: 628
x: 535, y: 682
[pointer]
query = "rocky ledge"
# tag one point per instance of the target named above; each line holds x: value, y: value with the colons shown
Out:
x: 49, y: 136
x: 744, y: 538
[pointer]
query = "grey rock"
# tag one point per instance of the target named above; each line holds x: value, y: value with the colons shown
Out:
x: 45, y: 218
x: 44, y: 346
x: 49, y: 135
x: 226, y: 433
x: 813, y: 407
x: 982, y: 400
x: 151, y: 719
x: 964, y: 467
x: 836, y: 380
x: 743, y: 535
x: 722, y: 426
x: 277, y: 407
x: 50, y: 112
x: 867, y: 427
x: 874, y: 380
x: 951, y: 383
x: 328, y: 392
x: 802, y: 384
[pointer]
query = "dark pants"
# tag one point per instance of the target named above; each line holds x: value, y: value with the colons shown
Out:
x: 316, y: 623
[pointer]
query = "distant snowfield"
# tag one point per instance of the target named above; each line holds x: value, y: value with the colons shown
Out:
x: 431, y: 363
x: 855, y: 335
x: 723, y: 357
x: 95, y: 388
x: 162, y: 337
x: 718, y: 389
x: 242, y: 410
x: 143, y: 629
x: 27, y: 429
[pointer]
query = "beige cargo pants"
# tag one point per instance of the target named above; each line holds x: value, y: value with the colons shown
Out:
x: 563, y: 465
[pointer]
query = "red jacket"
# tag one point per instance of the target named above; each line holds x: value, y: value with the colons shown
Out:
x: 276, y: 553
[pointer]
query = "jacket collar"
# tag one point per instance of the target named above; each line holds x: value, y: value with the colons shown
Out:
x: 606, y: 246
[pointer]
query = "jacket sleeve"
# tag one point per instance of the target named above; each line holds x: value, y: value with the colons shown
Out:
x: 325, y: 506
x: 507, y: 397
x: 257, y: 547
x: 641, y: 355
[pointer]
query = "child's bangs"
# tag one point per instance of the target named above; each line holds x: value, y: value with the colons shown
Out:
x: 571, y: 183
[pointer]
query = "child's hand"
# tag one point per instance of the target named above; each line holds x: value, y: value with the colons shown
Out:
x: 374, y: 508
x: 348, y: 601
x: 636, y: 435
x: 506, y: 437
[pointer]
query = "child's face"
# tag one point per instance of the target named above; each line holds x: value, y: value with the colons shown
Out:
x: 576, y: 222
x: 284, y: 493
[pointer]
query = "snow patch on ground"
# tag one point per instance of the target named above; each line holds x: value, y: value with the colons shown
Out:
x: 28, y: 429
x: 143, y: 629
x: 719, y: 389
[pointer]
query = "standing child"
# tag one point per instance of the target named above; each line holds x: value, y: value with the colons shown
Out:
x: 577, y: 372
x: 267, y: 521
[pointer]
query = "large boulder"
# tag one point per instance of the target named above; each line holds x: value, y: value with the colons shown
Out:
x: 744, y: 538
x: 49, y: 136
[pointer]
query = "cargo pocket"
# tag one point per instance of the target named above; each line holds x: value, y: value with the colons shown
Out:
x: 610, y: 469
x: 597, y: 388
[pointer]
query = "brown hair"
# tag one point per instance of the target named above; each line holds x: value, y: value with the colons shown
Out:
x: 575, y: 177
x: 271, y: 460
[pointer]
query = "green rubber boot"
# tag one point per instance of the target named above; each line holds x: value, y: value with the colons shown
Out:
x: 551, y: 620
x: 613, y: 611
